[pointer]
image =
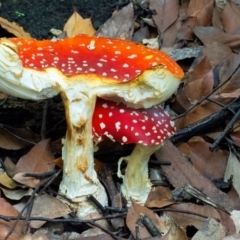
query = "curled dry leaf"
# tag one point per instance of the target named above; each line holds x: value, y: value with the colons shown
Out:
x: 212, y: 34
x: 13, y: 28
x: 231, y: 18
x: 77, y: 25
x: 48, y: 207
x: 8, y: 210
x: 170, y: 227
x: 120, y: 25
x: 167, y: 13
x: 195, y: 219
x: 198, y: 113
x: 16, y: 138
x: 200, y: 82
x: 202, y: 10
x: 211, y: 164
x: 134, y: 213
x: 38, y: 160
x: 159, y: 197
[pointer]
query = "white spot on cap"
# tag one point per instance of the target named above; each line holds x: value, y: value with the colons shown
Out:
x: 113, y: 70
x: 124, y: 139
x: 134, y: 121
x: 125, y: 65
x: 74, y: 51
x: 117, y: 52
x: 148, y: 134
x: 126, y: 126
x: 102, y: 60
x: 132, y: 56
x: 102, y: 125
x: 100, y: 115
x: 99, y: 64
x: 117, y: 126
x: 121, y: 110
x: 104, y: 105
x: 110, y: 114
x: 136, y: 134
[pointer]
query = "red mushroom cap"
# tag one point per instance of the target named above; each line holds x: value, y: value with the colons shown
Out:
x: 126, y: 125
x: 110, y: 58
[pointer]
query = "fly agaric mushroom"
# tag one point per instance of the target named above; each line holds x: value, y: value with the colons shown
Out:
x: 81, y: 69
x: 147, y: 128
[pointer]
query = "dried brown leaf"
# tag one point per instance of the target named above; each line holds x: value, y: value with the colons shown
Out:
x: 13, y: 28
x: 134, y: 213
x: 16, y: 138
x: 216, y: 20
x: 170, y: 35
x: 48, y: 207
x: 211, y: 164
x: 195, y: 219
x: 167, y: 13
x: 8, y: 210
x: 217, y: 53
x: 186, y: 30
x: 77, y: 25
x: 202, y: 10
x: 27, y: 181
x: 38, y: 160
x: 182, y: 172
x: 120, y: 25
x: 200, y: 82
x: 198, y: 113
x: 169, y: 227
x: 159, y: 197
x: 227, y: 222
x: 236, y: 137
x: 231, y: 18
x: 212, y: 34
x: 16, y: 194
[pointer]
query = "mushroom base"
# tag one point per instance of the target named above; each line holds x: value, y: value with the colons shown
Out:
x: 136, y: 184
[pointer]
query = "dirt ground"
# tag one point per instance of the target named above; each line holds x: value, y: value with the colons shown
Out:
x: 38, y: 16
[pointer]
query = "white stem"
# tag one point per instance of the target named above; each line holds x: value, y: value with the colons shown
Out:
x: 79, y: 176
x: 136, y: 185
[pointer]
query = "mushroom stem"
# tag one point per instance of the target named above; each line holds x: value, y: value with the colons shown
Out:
x: 136, y: 184
x: 79, y: 176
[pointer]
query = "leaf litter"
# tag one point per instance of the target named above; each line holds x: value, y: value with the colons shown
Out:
x: 201, y: 186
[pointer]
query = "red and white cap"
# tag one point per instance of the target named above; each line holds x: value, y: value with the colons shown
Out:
x: 126, y: 125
